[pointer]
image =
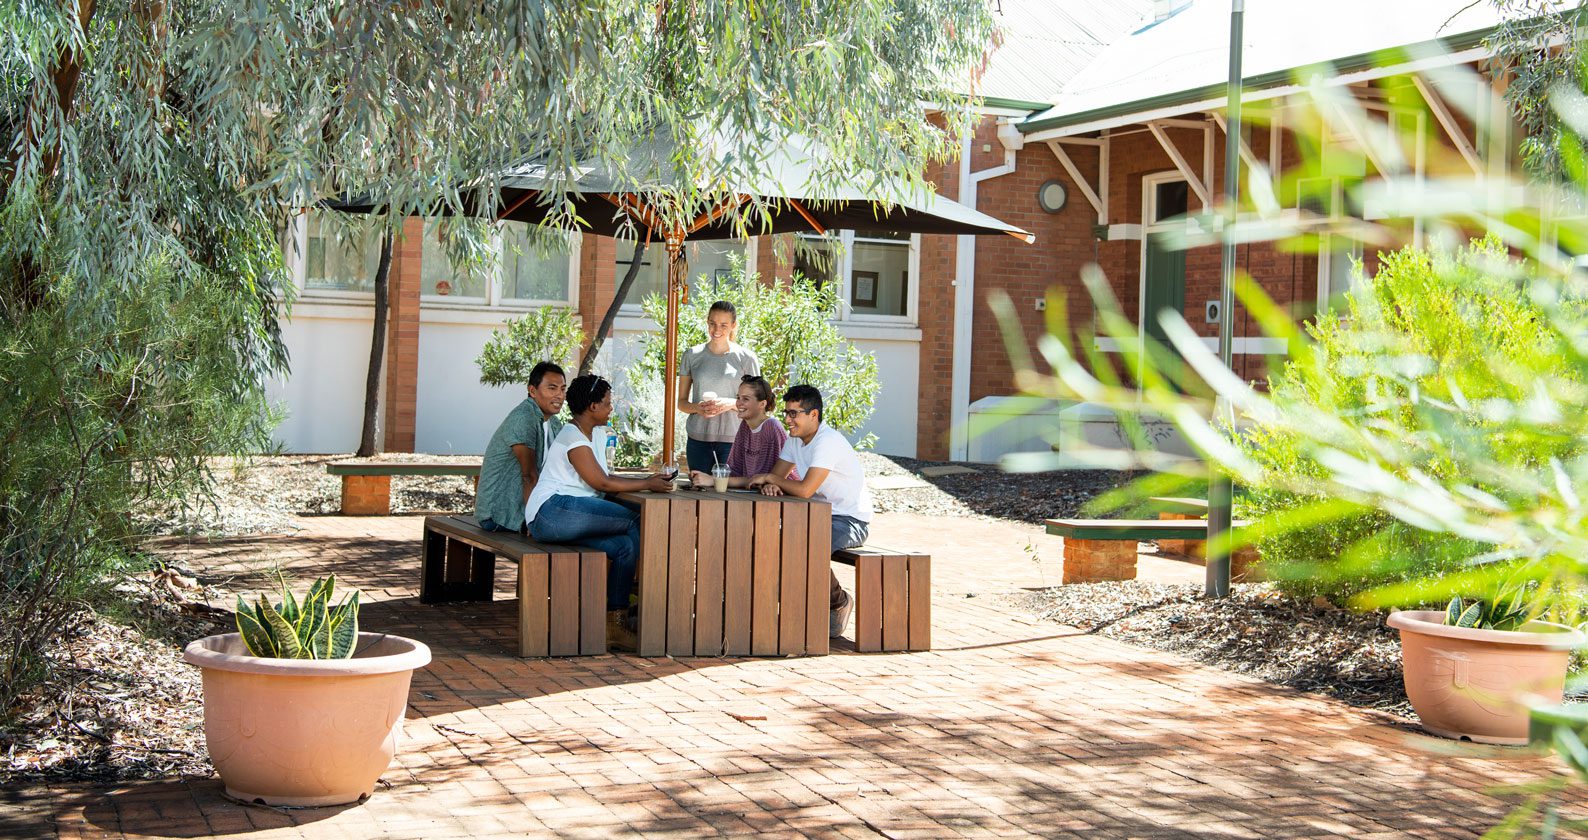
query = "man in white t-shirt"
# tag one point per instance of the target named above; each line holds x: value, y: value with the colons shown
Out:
x: 829, y: 471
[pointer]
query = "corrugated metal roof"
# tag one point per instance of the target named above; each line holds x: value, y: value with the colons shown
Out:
x: 1189, y: 51
x: 1046, y: 42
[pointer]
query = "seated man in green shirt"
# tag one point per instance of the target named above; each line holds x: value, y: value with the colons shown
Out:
x: 516, y: 452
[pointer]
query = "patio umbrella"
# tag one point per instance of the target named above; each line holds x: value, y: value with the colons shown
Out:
x: 795, y: 195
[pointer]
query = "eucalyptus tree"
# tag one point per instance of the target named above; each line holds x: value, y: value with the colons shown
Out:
x: 154, y: 149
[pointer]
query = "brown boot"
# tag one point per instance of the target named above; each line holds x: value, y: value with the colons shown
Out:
x: 620, y: 639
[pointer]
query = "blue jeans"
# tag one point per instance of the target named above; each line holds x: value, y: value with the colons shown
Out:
x: 598, y: 524
x: 848, y: 532
x: 699, y: 453
x: 490, y: 525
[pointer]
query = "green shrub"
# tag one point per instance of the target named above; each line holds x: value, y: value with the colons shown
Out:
x: 1424, y: 330
x: 548, y: 334
x: 789, y: 326
x: 114, y: 394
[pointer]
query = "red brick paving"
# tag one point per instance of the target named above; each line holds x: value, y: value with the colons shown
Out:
x: 1008, y: 729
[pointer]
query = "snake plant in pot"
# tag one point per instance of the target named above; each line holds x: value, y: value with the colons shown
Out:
x: 300, y: 707
x: 1473, y: 669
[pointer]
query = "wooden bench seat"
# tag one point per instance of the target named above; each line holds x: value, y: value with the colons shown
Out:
x: 366, y: 485
x: 562, y: 589
x: 893, y: 598
x: 1105, y: 549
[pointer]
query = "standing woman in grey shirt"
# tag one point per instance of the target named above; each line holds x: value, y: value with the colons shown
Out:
x: 708, y: 382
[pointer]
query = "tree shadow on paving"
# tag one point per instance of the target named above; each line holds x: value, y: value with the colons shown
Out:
x: 1207, y: 761
x: 1033, y: 768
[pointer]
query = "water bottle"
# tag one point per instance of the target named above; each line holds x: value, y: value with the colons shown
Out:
x: 612, y: 448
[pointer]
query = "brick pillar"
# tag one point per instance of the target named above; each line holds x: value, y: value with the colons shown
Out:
x: 935, y: 316
x: 1089, y: 561
x: 402, y: 338
x: 774, y: 257
x: 597, y: 280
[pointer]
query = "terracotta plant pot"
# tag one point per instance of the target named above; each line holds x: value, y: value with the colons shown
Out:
x: 1477, y: 684
x: 304, y: 731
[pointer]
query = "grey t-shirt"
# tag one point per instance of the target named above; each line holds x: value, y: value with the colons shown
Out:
x: 711, y: 377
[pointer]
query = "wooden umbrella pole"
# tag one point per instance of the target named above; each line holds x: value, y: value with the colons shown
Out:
x: 677, y: 272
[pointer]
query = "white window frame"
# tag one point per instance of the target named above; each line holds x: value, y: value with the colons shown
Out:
x: 1326, y: 257
x: 297, y: 265
x: 633, y: 309
x: 1149, y: 225
x: 845, y: 240
x: 297, y: 259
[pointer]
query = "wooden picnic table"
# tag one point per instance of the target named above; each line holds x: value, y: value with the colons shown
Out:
x: 734, y: 573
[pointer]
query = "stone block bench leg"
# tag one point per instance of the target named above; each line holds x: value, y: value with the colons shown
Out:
x: 1090, y: 561
x: 366, y: 495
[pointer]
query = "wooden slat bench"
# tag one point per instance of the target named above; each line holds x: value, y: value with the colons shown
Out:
x: 562, y: 589
x: 366, y: 485
x: 1105, y: 549
x: 893, y: 598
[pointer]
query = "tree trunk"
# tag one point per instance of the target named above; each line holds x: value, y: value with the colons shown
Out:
x: 587, y: 363
x: 377, y: 347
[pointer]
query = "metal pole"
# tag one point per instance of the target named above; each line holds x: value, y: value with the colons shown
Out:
x: 677, y: 271
x: 1219, y: 490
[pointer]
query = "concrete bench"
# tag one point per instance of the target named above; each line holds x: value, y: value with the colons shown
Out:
x: 366, y: 485
x: 562, y: 589
x: 893, y: 598
x: 1105, y: 549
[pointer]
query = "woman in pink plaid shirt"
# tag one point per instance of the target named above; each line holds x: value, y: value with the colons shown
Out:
x: 760, y: 437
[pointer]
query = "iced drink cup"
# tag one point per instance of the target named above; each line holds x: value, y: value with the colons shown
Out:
x: 719, y: 478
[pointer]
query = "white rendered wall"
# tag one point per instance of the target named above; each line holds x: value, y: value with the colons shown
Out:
x: 329, y: 345
x: 323, y: 395
x: 898, y: 400
x: 454, y: 413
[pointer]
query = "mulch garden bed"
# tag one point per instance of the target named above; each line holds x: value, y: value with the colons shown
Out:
x: 121, y: 704
x: 1257, y: 631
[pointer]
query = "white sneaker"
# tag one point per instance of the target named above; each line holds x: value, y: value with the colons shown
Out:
x: 838, y: 617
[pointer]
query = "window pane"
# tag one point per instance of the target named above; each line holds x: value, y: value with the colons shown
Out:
x: 528, y: 274
x: 437, y: 275
x: 816, y: 259
x: 711, y: 264
x: 652, y: 279
x: 347, y: 266
x: 880, y: 282
x: 1173, y: 200
x: 708, y: 264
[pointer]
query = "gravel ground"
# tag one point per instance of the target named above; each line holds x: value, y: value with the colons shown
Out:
x: 985, y: 490
x: 263, y: 494
x: 1256, y: 631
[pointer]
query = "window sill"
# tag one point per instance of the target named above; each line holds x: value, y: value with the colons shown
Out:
x: 878, y: 331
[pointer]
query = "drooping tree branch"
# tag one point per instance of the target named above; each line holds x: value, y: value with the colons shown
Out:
x: 68, y: 70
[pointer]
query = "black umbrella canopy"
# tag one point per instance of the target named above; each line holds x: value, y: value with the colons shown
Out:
x: 789, y: 191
